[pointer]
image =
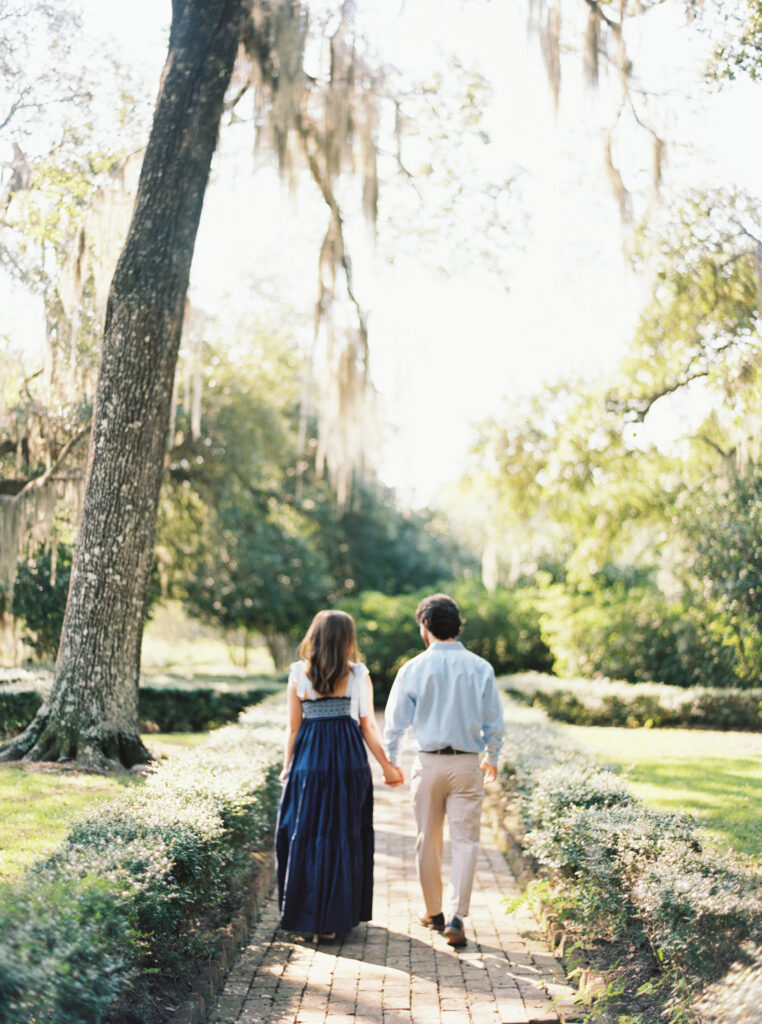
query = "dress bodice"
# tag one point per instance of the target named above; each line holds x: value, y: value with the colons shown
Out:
x: 356, y: 692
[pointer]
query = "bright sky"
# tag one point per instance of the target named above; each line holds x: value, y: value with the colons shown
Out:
x: 447, y: 352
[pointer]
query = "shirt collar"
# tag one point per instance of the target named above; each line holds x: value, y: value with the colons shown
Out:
x: 446, y: 645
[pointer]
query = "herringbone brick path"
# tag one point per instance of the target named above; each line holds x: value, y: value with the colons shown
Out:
x: 392, y: 970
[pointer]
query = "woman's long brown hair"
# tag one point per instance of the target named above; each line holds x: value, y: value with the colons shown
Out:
x: 327, y: 648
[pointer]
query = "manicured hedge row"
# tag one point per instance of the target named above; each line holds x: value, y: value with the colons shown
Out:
x: 181, y: 710
x: 162, y: 709
x: 626, y: 871
x: 115, y: 901
x: 604, y: 702
x: 18, y: 706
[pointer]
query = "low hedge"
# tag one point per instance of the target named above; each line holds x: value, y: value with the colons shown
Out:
x: 161, y: 709
x: 653, y: 705
x: 625, y: 872
x: 85, y: 928
x: 18, y: 706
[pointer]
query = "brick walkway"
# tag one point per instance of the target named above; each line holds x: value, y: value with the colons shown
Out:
x: 392, y: 970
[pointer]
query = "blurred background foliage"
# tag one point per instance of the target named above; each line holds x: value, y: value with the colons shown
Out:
x: 609, y: 526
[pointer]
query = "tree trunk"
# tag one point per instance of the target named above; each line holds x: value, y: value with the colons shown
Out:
x: 92, y: 713
x: 282, y: 650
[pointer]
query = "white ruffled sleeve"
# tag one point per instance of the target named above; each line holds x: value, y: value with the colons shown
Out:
x: 296, y: 674
x: 361, y: 674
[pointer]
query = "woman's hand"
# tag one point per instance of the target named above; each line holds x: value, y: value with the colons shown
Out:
x: 393, y: 775
x: 284, y: 775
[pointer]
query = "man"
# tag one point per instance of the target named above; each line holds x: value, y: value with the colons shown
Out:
x: 450, y: 699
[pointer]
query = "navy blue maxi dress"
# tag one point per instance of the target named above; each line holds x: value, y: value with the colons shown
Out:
x: 324, y: 833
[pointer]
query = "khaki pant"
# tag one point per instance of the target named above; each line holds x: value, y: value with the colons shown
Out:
x: 447, y: 785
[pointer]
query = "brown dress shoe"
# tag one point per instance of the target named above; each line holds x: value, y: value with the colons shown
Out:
x: 454, y: 934
x: 435, y: 921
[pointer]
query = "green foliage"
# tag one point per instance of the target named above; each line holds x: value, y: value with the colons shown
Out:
x: 250, y: 536
x: 39, y: 598
x: 387, y: 635
x: 118, y: 895
x: 740, y: 52
x: 168, y: 709
x: 625, y: 628
x: 725, y: 526
x: 18, y: 706
x: 69, y: 949
x: 632, y: 872
x: 194, y: 710
x: 652, y: 547
x: 715, y: 777
x: 653, y: 705
x: 502, y: 627
x: 266, y: 574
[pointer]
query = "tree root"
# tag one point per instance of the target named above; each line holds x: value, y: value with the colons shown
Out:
x: 44, y: 741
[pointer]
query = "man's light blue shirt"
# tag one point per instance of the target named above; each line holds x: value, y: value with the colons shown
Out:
x: 449, y: 697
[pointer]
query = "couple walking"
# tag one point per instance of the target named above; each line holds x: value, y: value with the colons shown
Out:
x: 324, y: 835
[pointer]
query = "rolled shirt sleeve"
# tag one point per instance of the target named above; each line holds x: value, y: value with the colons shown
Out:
x: 492, y: 716
x: 398, y: 717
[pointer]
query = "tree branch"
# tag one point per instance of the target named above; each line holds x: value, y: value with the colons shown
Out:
x: 38, y: 482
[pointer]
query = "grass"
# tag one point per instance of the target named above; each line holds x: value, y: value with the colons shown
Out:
x: 37, y: 808
x: 184, y: 648
x: 714, y: 776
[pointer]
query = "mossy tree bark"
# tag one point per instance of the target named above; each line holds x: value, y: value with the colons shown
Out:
x: 92, y: 713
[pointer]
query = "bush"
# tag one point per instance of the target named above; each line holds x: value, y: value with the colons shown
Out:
x: 117, y: 896
x: 502, y: 627
x: 18, y: 706
x: 69, y: 950
x: 634, y: 705
x: 40, y: 600
x: 167, y: 709
x: 631, y: 632
x: 173, y: 709
x: 630, y: 871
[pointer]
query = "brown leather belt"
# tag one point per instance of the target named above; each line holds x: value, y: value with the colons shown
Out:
x: 447, y: 750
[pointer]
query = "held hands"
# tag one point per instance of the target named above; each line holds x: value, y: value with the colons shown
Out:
x: 489, y: 771
x: 393, y: 775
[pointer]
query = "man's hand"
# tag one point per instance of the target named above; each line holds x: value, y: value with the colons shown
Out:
x: 489, y: 771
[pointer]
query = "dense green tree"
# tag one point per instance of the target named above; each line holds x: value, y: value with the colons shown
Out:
x: 263, y: 575
x: 724, y: 528
x: 39, y: 598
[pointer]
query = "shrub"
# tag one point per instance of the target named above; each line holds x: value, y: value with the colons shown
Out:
x: 18, y: 706
x: 739, y: 996
x: 167, y: 709
x: 39, y: 598
x: 117, y: 896
x: 631, y: 870
x: 606, y: 702
x: 194, y: 710
x: 631, y: 632
x: 68, y: 950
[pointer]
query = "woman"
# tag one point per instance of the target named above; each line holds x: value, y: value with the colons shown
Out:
x: 324, y: 835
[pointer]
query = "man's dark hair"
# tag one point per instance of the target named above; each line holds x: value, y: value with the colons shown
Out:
x: 440, y: 615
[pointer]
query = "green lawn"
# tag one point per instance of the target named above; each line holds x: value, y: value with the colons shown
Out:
x: 37, y: 808
x: 715, y: 776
